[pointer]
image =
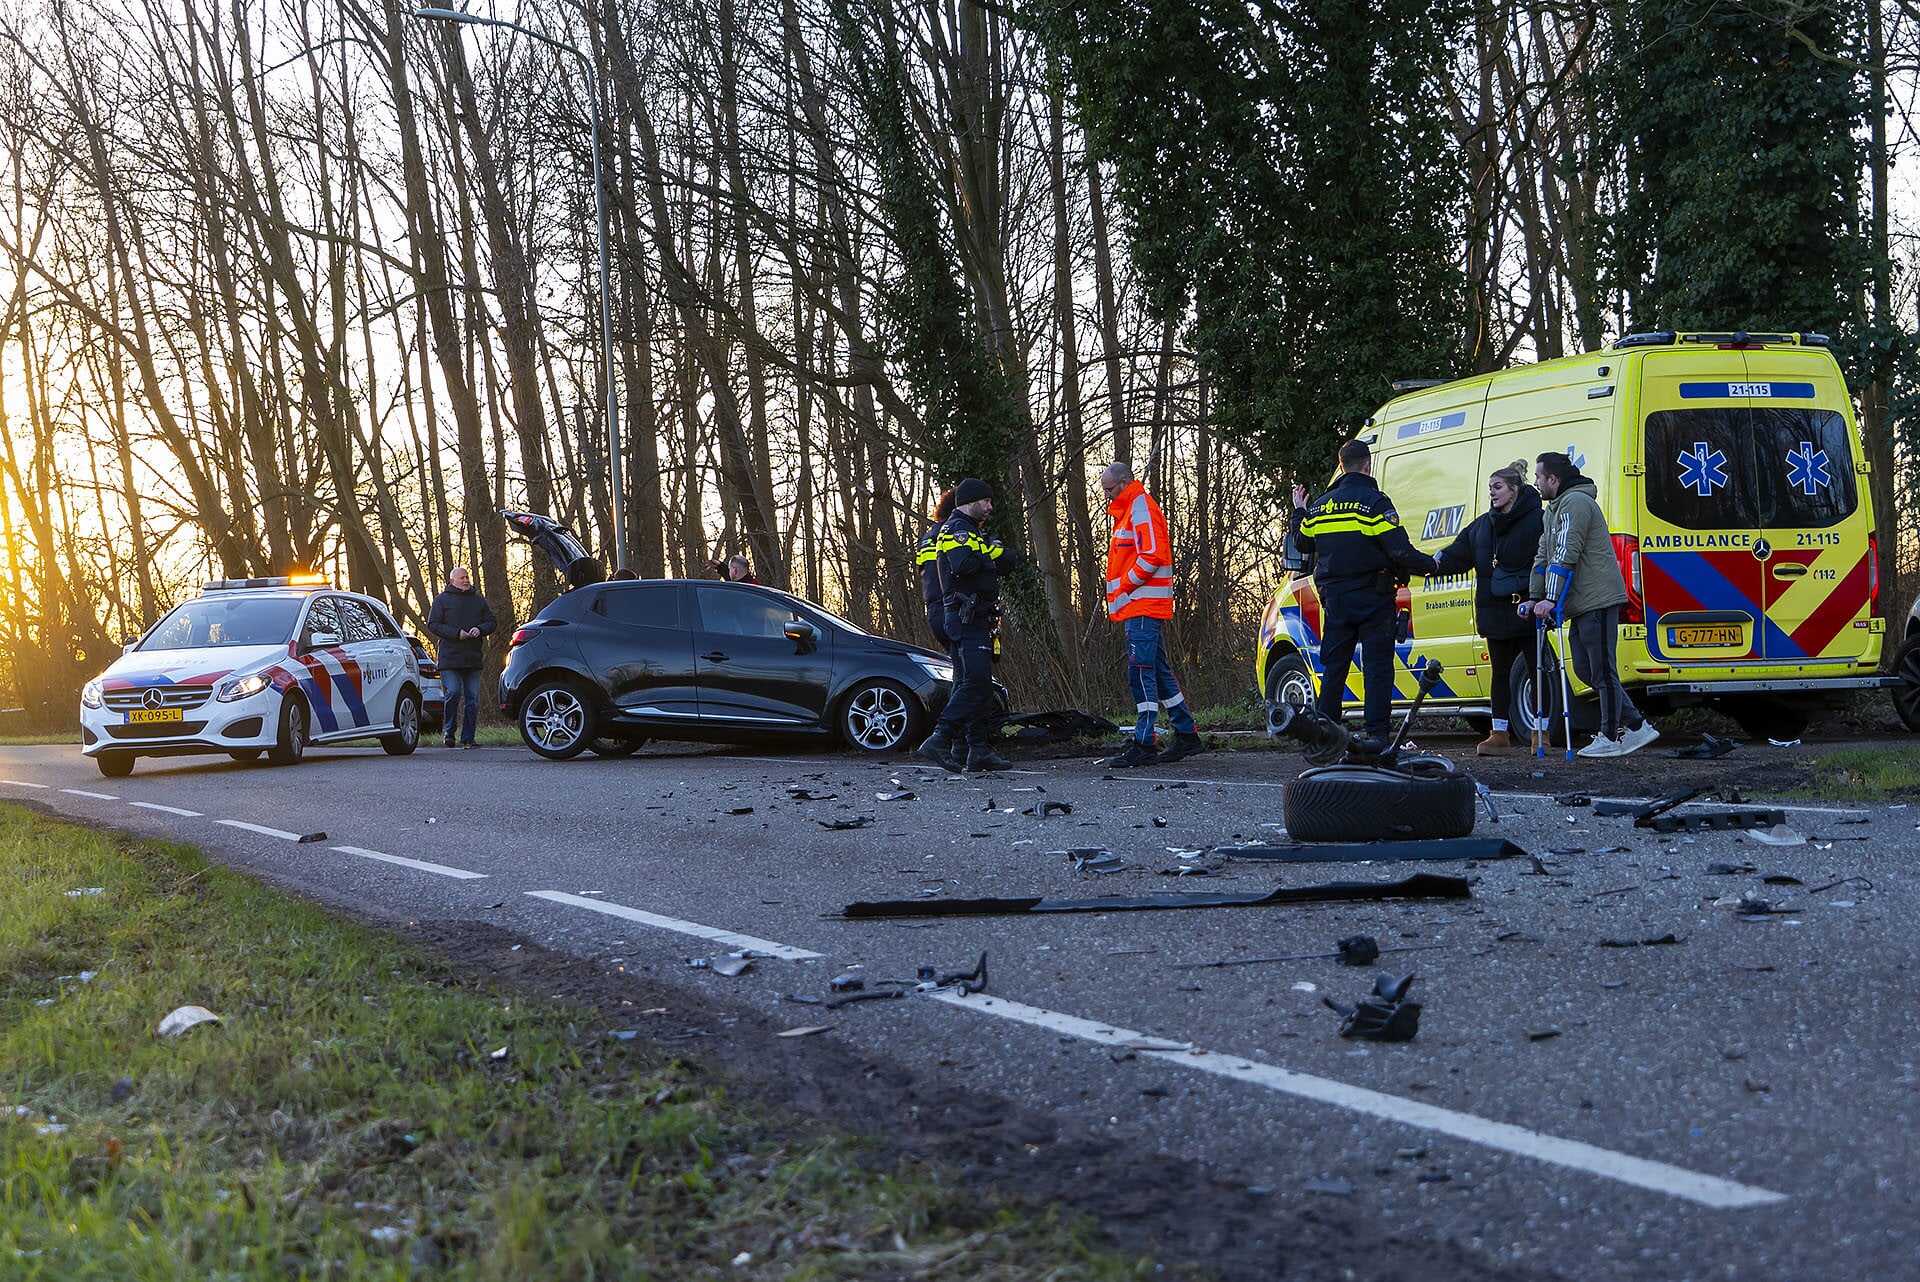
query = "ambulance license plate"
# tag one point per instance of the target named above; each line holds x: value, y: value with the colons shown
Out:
x: 143, y: 716
x: 1717, y: 634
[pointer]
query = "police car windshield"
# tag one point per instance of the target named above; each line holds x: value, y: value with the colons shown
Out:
x: 226, y: 620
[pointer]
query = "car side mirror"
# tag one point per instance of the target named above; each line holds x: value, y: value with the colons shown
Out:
x: 322, y: 640
x: 1295, y: 559
x: 805, y: 637
x: 127, y: 644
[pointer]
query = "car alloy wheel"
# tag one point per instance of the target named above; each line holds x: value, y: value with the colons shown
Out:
x: 291, y: 745
x: 406, y: 718
x: 555, y: 721
x: 878, y: 717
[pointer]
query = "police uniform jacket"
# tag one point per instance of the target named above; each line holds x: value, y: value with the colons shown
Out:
x: 926, y: 559
x: 969, y: 561
x: 1356, y: 537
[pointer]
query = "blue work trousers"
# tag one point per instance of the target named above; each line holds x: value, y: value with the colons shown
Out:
x: 462, y: 689
x: 1151, y: 679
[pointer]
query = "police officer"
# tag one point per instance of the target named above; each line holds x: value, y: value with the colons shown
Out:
x: 1360, y: 554
x: 926, y: 561
x: 969, y: 562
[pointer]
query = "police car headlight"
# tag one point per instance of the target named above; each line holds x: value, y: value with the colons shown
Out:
x: 90, y: 696
x: 938, y: 669
x: 244, y: 688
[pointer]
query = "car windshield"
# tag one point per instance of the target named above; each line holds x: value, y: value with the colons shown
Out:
x: 224, y: 621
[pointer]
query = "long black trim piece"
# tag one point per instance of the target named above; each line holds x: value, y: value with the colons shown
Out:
x: 1377, y: 851
x: 1422, y: 885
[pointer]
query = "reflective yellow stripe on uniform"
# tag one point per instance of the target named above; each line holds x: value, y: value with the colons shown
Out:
x: 984, y: 547
x: 1315, y: 526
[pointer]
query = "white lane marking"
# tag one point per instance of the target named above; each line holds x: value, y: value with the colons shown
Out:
x: 1707, y: 1190
x: 22, y: 783
x: 263, y: 831
x: 97, y: 796
x: 693, y: 928
x: 443, y: 870
x: 166, y: 810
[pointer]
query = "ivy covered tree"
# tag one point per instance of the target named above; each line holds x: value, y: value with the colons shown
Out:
x: 1742, y: 129
x: 1286, y: 171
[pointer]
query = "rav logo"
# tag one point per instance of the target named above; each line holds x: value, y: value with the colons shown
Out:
x: 1444, y: 522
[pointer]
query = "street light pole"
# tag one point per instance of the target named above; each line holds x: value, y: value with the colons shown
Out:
x: 606, y: 293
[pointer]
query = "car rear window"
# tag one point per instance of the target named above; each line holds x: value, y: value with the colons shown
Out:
x: 226, y: 620
x: 647, y: 605
x: 1740, y: 468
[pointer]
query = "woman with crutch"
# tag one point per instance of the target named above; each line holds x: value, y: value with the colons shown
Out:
x: 1498, y: 547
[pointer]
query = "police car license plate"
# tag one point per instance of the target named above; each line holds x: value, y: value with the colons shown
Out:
x: 143, y: 715
x: 1718, y: 634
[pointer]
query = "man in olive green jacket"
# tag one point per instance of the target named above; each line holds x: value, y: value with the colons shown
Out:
x: 1577, y: 577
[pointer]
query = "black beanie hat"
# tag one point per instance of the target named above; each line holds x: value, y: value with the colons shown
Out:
x: 971, y: 490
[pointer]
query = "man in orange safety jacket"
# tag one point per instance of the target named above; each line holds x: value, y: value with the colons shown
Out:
x: 1140, y: 598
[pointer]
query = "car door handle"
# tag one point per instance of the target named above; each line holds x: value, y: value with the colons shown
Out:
x: 714, y: 656
x: 1789, y: 570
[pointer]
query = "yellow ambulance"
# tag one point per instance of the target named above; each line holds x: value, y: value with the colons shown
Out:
x: 1730, y: 470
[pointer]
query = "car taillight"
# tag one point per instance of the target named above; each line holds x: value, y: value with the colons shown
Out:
x: 1873, y: 574
x: 1626, y: 550
x: 523, y: 635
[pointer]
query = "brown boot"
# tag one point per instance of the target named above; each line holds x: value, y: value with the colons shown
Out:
x: 1496, y: 744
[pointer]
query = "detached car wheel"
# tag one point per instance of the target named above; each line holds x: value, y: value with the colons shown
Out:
x: 292, y: 742
x: 609, y: 746
x: 555, y: 721
x: 1372, y: 803
x: 879, y: 716
x: 406, y: 720
x: 1906, y: 695
x: 115, y: 765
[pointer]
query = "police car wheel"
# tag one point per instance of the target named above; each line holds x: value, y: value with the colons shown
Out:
x: 1289, y: 680
x: 115, y: 765
x: 556, y: 721
x: 245, y: 754
x: 1906, y: 695
x: 406, y: 720
x: 609, y: 746
x: 879, y: 716
x: 1366, y: 803
x: 291, y: 745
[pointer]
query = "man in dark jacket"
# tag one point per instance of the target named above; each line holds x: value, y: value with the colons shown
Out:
x: 926, y: 560
x: 461, y: 618
x: 1498, y: 547
x: 969, y: 562
x: 1361, y: 554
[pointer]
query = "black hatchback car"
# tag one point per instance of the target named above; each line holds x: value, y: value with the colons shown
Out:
x: 609, y: 665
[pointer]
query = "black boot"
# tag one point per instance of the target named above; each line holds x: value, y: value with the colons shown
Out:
x: 979, y: 759
x: 938, y: 748
x: 1183, y: 746
x: 1137, y: 754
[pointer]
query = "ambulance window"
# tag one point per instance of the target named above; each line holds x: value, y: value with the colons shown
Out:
x: 1700, y: 469
x: 357, y: 622
x: 1806, y: 458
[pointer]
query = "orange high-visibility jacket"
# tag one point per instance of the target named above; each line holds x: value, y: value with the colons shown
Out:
x: 1139, y: 563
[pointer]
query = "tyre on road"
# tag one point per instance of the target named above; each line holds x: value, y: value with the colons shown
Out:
x: 1906, y: 695
x: 406, y: 721
x: 291, y: 744
x: 115, y: 765
x: 556, y: 721
x: 1372, y: 803
x: 879, y: 716
x: 613, y: 746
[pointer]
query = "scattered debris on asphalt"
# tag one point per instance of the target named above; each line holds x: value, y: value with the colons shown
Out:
x: 1417, y: 886
x: 1668, y: 938
x: 741, y: 810
x: 1486, y: 799
x: 1778, y: 835
x: 732, y: 964
x: 1572, y: 799
x: 1349, y: 951
x: 1377, y: 851
x: 183, y: 1018
x: 806, y: 1030
x: 903, y: 794
x: 1784, y: 743
x: 1058, y: 726
x: 310, y: 838
x: 1041, y: 809
x: 1709, y: 747
x: 1646, y: 809
x: 1363, y: 950
x: 1385, y: 1016
x: 1542, y: 1034
x: 808, y: 794
x: 846, y: 825
x: 1729, y: 870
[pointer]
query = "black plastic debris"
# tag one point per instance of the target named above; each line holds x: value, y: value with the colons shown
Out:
x: 1358, y: 950
x: 970, y: 981
x: 1729, y: 870
x: 1732, y: 820
x: 741, y: 810
x: 1542, y: 1034
x: 1646, y: 809
x: 1058, y: 726
x: 1104, y: 861
x: 1386, y: 1016
x: 845, y: 825
x: 1668, y: 938
x: 865, y: 995
x: 1418, y: 886
x: 1377, y: 851
x: 1340, y: 956
x: 1041, y: 809
x: 848, y: 982
x: 1573, y: 799
x: 1567, y: 850
x: 1709, y: 747
x: 1781, y: 879
x: 312, y: 837
x: 1159, y: 821
x: 808, y: 794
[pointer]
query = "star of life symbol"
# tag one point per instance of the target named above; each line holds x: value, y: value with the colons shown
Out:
x: 1807, y: 468
x: 1702, y: 471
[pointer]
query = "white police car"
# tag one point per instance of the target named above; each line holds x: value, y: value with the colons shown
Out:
x: 254, y: 666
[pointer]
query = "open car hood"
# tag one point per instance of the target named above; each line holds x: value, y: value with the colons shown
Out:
x: 559, y: 545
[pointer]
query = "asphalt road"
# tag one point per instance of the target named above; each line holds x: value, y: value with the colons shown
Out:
x: 1738, y: 1105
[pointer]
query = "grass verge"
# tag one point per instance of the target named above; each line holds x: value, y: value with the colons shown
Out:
x: 1866, y: 774
x: 365, y: 1111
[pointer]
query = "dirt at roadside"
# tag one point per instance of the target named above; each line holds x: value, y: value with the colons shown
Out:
x: 1197, y: 1223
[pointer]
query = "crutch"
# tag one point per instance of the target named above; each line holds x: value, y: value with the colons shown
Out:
x: 1540, y: 722
x: 1566, y: 693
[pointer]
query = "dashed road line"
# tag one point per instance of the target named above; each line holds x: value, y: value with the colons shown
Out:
x: 166, y: 810
x: 693, y: 928
x: 1706, y: 1190
x: 97, y: 796
x: 421, y: 865
x: 22, y: 783
x: 259, y: 828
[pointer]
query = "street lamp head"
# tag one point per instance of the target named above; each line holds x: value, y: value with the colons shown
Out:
x: 451, y: 15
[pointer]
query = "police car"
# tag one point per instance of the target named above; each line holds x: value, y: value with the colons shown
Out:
x: 256, y: 666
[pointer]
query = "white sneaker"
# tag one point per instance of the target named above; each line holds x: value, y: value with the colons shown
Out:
x: 1604, y: 747
x: 1638, y: 739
